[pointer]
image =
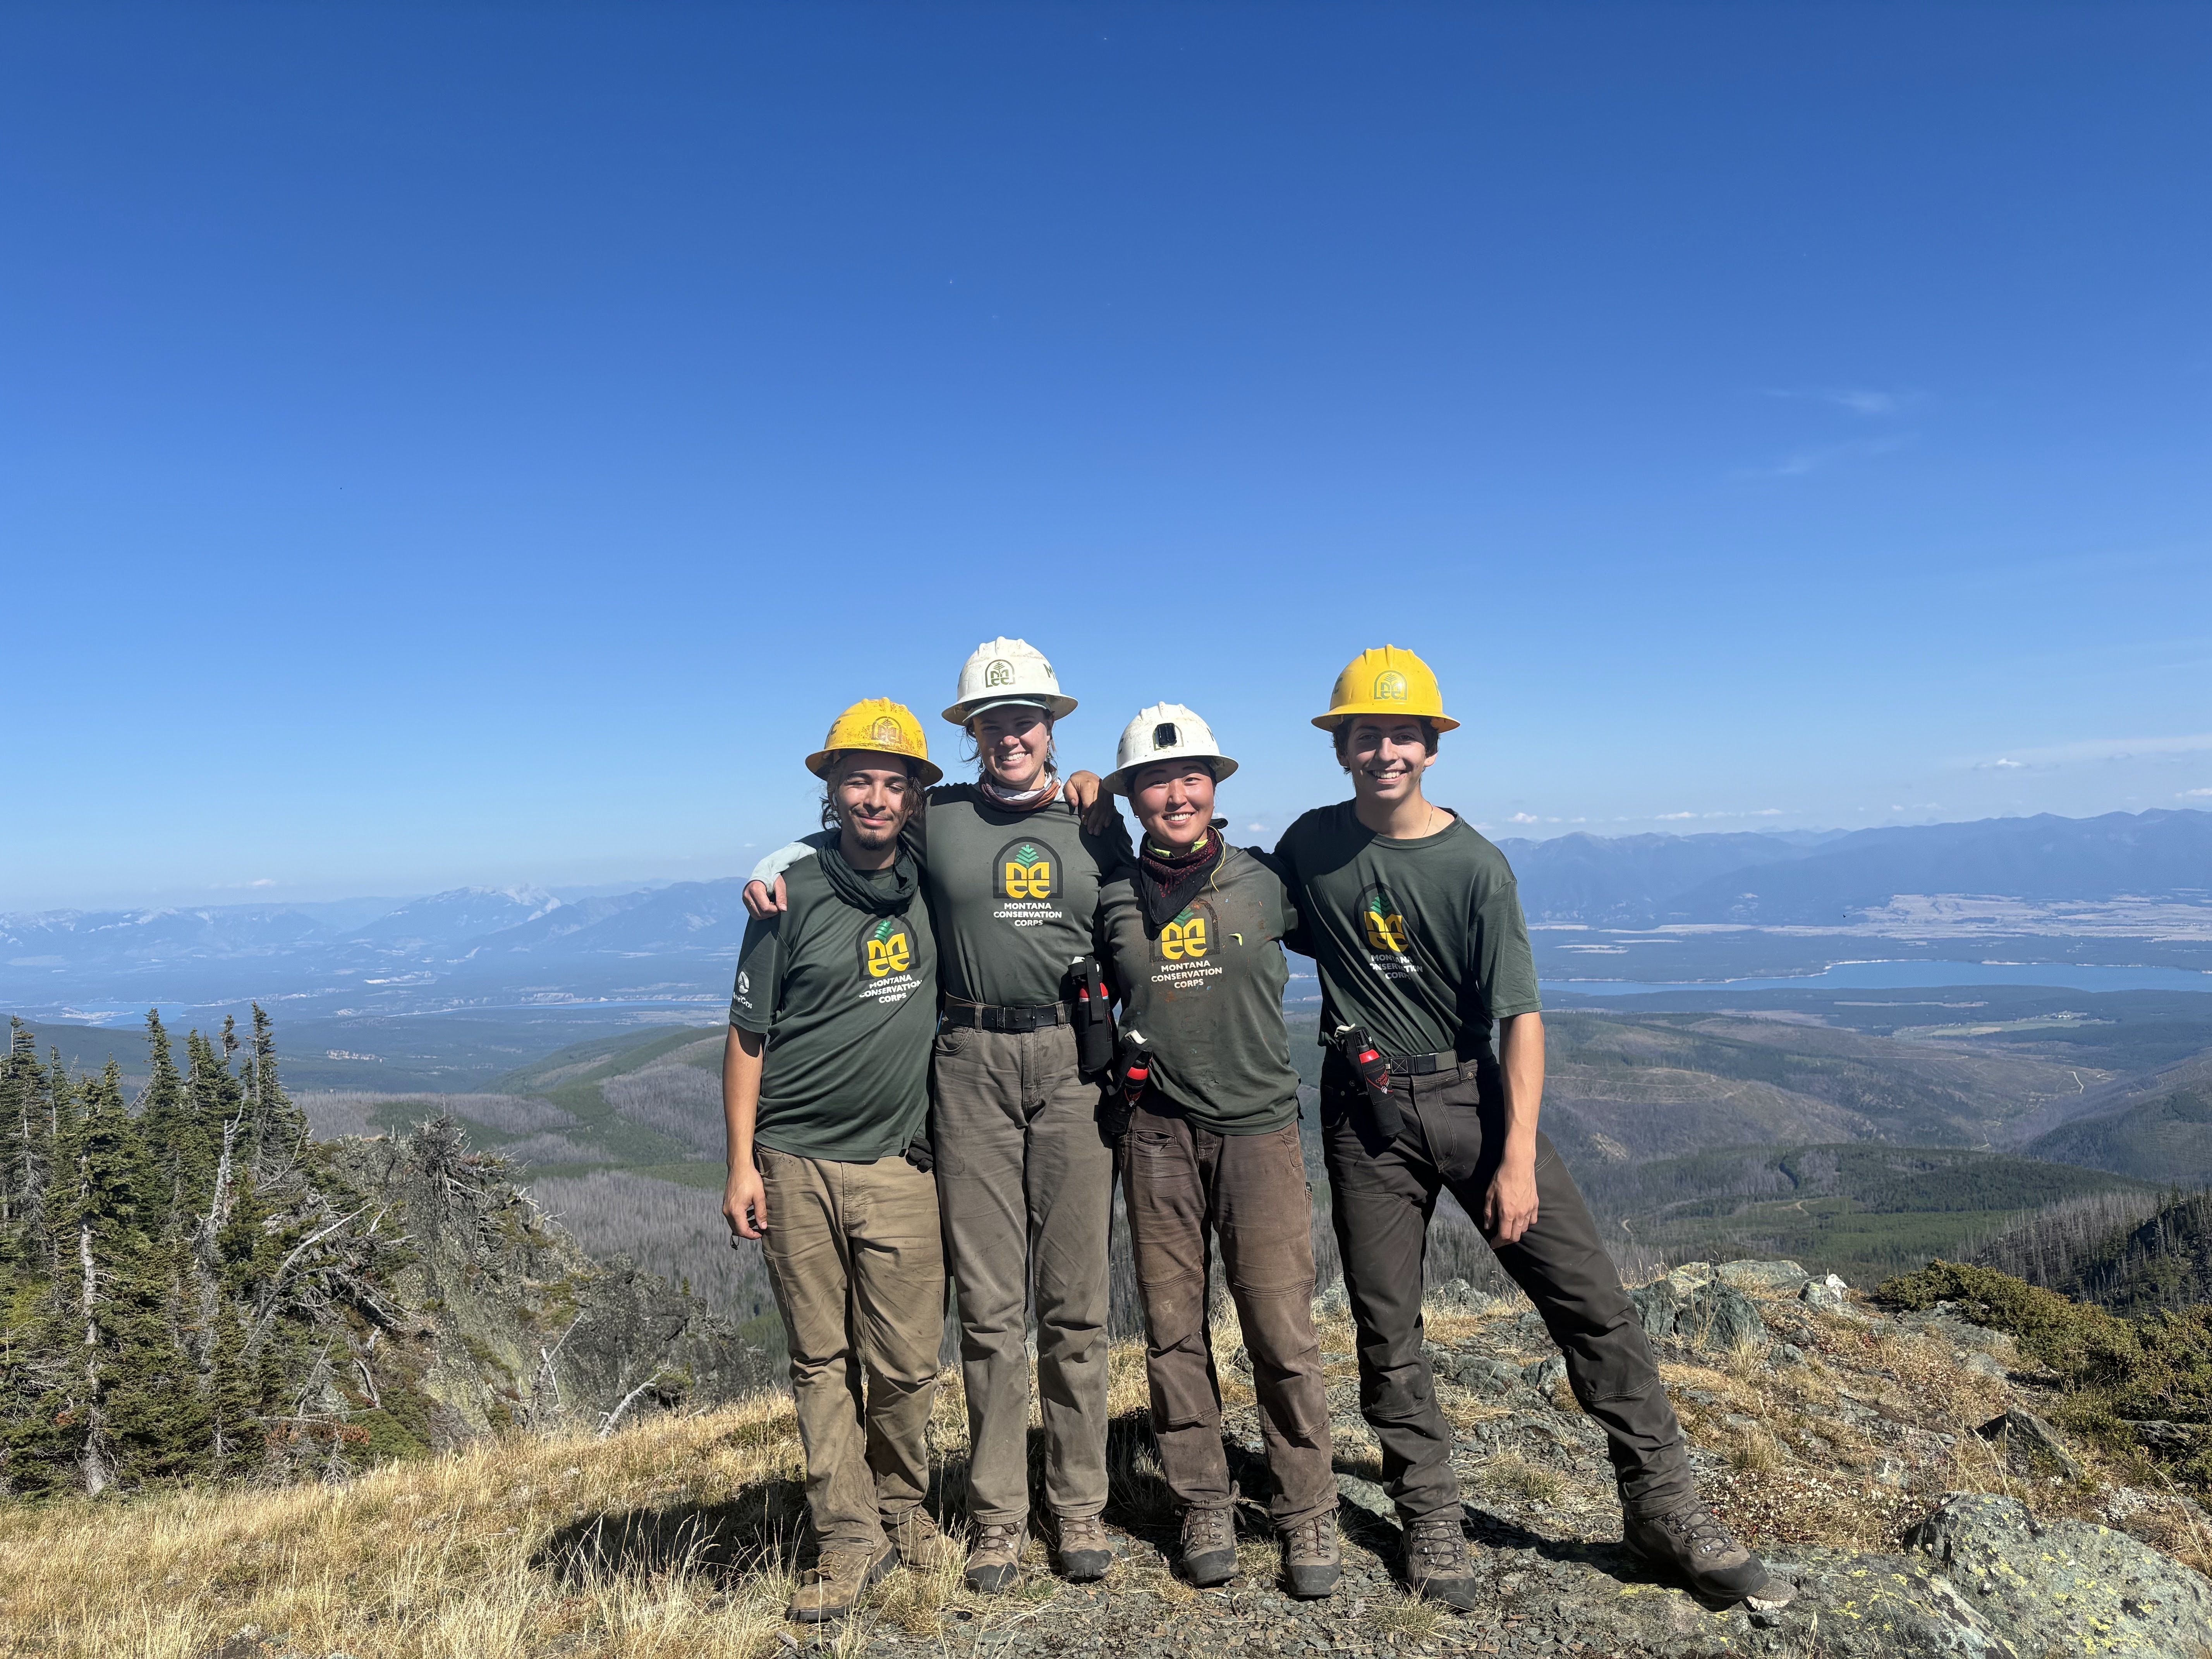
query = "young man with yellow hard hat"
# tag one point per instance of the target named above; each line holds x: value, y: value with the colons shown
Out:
x: 1025, y: 1175
x: 1415, y: 924
x: 826, y: 1085
x: 1193, y: 931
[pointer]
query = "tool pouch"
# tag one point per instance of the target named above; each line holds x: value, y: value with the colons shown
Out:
x: 1094, y: 1018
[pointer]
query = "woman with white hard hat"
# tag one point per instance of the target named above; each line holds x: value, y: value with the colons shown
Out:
x: 1193, y: 930
x: 1024, y: 1172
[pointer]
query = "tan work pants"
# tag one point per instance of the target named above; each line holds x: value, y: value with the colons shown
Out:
x: 1026, y: 1178
x: 856, y: 1257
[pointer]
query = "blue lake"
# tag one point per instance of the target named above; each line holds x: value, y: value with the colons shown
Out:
x: 1917, y: 976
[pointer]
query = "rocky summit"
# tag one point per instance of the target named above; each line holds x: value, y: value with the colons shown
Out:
x: 1900, y: 1472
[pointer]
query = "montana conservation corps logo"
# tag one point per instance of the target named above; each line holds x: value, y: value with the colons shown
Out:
x: 1381, y: 921
x: 886, y: 731
x: 1184, y: 939
x: 1001, y: 672
x: 1384, y: 930
x: 1024, y: 870
x: 886, y: 948
x: 1390, y: 686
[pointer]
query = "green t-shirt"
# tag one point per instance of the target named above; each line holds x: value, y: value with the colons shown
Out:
x: 1014, y: 895
x: 1207, y: 993
x: 847, y: 1002
x: 1421, y: 942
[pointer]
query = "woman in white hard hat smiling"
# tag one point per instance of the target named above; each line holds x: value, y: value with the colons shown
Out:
x: 1025, y: 1175
x: 1193, y: 931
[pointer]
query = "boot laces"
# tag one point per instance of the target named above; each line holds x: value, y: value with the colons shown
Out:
x: 1701, y: 1529
x: 1438, y: 1541
x: 1311, y: 1536
x: 997, y: 1533
x: 1207, y: 1528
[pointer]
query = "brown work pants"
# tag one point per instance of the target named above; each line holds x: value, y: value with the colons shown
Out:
x: 1251, y: 1191
x: 1451, y: 1135
x: 1026, y: 1179
x: 855, y: 1257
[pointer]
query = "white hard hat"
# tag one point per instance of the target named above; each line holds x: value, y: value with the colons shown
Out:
x: 1166, y: 731
x: 1007, y: 671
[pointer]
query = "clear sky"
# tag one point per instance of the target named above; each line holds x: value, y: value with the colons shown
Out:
x: 487, y: 444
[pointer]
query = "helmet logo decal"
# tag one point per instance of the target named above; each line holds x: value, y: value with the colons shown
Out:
x: 1390, y: 686
x: 886, y: 949
x: 1164, y: 735
x: 1025, y: 871
x: 1001, y: 672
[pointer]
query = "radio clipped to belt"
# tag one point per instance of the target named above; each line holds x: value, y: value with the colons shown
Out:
x: 1094, y: 1017
x: 1374, y: 1069
x: 1132, y: 1076
x: 1373, y: 1066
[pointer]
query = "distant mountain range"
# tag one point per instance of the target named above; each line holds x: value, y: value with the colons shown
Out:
x: 1772, y: 881
x: 477, y: 945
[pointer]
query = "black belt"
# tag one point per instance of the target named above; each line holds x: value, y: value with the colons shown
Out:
x: 986, y: 1017
x: 1444, y: 1059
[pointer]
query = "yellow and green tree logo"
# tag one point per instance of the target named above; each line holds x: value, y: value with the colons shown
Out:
x: 1184, y: 939
x: 886, y: 949
x: 1025, y: 871
x: 1382, y: 921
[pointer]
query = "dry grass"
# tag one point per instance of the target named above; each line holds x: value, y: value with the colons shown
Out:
x: 1509, y: 1476
x: 673, y: 1538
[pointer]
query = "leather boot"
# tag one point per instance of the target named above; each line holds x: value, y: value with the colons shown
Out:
x: 1437, y: 1566
x: 994, y: 1560
x: 1085, y: 1550
x: 1692, y: 1543
x: 1209, y: 1547
x: 1311, y: 1560
x: 828, y: 1589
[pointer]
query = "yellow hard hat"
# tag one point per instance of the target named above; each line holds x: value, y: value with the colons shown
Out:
x: 1386, y: 681
x: 880, y: 725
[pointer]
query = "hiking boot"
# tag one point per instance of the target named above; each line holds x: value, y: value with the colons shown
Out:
x: 1437, y: 1566
x: 1085, y: 1550
x: 919, y: 1543
x: 994, y: 1559
x: 1311, y: 1560
x: 1209, y: 1547
x: 828, y: 1589
x: 1691, y: 1542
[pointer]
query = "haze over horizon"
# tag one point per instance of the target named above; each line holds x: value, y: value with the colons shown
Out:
x: 473, y: 447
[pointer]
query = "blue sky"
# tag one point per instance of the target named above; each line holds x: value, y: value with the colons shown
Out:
x: 488, y: 444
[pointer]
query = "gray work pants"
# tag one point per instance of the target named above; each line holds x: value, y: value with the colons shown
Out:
x: 1251, y: 1190
x: 1025, y: 1180
x: 1384, y: 1189
x: 857, y: 1261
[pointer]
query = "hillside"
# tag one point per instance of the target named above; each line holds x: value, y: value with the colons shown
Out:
x: 1864, y: 1211
x: 2159, y: 1129
x: 1847, y: 1445
x: 191, y: 1285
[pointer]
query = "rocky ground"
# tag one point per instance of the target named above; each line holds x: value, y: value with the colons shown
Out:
x: 1896, y: 1471
x: 1901, y: 1474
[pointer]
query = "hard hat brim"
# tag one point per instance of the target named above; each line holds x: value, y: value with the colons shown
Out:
x: 1336, y: 717
x: 1115, y: 782
x: 930, y: 772
x: 1058, y: 707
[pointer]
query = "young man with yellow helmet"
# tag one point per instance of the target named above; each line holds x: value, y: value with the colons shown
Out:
x: 1414, y: 922
x: 1025, y: 1175
x: 826, y: 1085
